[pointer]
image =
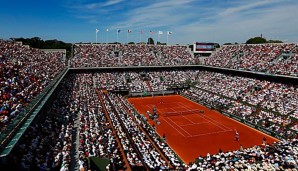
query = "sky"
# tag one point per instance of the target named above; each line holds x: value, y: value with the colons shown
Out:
x: 190, y: 21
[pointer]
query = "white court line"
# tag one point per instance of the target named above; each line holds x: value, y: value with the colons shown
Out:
x: 174, y: 127
x: 179, y: 126
x: 219, y: 127
x: 217, y: 132
x: 210, y: 119
x: 183, y: 105
x: 158, y: 111
x: 216, y: 122
x: 188, y: 109
x: 150, y: 106
x: 205, y: 118
x: 188, y: 119
x: 195, y: 123
x: 179, y: 104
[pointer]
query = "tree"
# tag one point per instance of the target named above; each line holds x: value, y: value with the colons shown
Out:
x: 131, y: 43
x: 274, y: 41
x: 256, y: 40
x: 159, y: 43
x: 150, y: 41
x: 37, y: 42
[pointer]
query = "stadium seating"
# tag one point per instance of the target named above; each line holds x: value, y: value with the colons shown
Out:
x: 24, y: 73
x: 241, y: 96
x: 107, y: 125
x: 88, y: 55
x: 279, y: 156
x: 47, y: 144
x: 269, y: 58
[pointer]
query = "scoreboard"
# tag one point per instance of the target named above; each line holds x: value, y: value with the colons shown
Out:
x: 204, y: 47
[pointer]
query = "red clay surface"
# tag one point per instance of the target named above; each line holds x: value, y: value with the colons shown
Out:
x: 197, y: 134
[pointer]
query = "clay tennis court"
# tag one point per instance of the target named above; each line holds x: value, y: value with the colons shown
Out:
x: 192, y: 133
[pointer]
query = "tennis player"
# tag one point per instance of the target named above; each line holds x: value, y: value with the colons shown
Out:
x: 236, y: 135
x: 154, y: 110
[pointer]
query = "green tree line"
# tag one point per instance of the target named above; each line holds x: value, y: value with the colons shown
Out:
x: 37, y: 42
x: 257, y: 40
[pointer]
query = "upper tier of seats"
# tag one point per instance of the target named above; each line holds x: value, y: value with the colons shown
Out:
x: 88, y: 55
x: 24, y: 73
x: 270, y: 58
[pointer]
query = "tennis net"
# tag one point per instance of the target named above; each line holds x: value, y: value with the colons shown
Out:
x: 187, y: 112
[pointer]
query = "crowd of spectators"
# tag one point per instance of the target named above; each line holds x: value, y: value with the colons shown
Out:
x: 131, y: 154
x: 270, y: 58
x: 137, y: 55
x: 150, y: 155
x: 163, y: 80
x: 240, y: 96
x: 282, y: 155
x: 139, y: 82
x: 95, y: 133
x: 235, y: 98
x: 47, y: 143
x: 46, y: 146
x: 206, y: 98
x: 271, y: 105
x: 174, y: 55
x: 278, y: 97
x: 286, y: 65
x: 257, y: 101
x: 121, y: 80
x: 108, y: 55
x: 24, y: 73
x: 161, y: 143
